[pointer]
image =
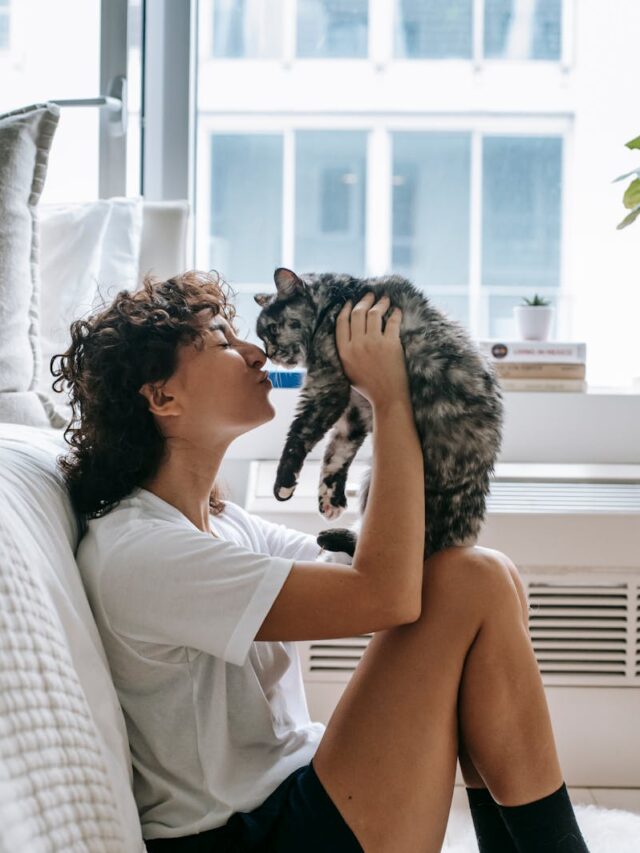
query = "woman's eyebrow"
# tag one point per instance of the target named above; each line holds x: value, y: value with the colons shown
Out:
x: 220, y: 326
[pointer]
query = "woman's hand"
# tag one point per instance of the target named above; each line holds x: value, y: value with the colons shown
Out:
x: 372, y: 360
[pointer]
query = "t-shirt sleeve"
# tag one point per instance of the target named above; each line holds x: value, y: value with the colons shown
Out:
x: 283, y: 541
x: 171, y: 585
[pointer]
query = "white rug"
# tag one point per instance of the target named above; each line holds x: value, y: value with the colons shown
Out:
x: 604, y: 830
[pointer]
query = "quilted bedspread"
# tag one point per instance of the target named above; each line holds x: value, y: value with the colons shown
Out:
x: 54, y: 790
x: 65, y: 763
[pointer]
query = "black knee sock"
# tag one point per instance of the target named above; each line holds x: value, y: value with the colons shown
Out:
x: 547, y: 825
x: 491, y: 831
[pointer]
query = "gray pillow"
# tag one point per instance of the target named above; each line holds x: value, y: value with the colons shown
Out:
x: 25, y: 141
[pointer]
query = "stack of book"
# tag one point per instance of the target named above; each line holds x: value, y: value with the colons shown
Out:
x: 537, y: 365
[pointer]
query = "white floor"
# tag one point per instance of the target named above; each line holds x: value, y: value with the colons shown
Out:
x: 460, y: 836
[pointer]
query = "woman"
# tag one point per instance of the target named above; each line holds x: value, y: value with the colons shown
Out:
x: 181, y: 584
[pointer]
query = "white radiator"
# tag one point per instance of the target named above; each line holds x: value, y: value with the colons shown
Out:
x: 574, y: 533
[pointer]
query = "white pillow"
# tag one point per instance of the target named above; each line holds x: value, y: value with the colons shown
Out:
x: 25, y: 139
x: 120, y: 259
x: 89, y: 251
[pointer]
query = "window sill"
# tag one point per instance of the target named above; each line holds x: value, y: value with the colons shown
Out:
x: 597, y: 427
x: 592, y: 391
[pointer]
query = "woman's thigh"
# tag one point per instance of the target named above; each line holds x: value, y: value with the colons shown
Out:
x: 388, y: 756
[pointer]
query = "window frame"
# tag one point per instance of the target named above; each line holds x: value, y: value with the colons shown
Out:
x: 550, y: 74
x: 378, y: 202
x: 381, y: 26
x: 112, y: 166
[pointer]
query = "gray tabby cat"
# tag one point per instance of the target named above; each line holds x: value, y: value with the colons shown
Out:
x: 456, y: 397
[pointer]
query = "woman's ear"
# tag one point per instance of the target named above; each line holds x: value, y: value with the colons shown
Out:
x: 160, y: 403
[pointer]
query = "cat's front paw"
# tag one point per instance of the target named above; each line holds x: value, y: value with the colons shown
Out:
x: 338, y: 539
x: 285, y: 484
x: 282, y: 491
x: 331, y: 500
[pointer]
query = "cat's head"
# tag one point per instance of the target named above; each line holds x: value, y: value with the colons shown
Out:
x: 287, y: 319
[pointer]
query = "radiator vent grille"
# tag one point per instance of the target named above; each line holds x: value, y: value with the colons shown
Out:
x: 584, y: 632
x: 564, y: 498
x: 580, y: 629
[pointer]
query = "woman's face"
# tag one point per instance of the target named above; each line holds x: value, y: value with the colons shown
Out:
x: 219, y: 391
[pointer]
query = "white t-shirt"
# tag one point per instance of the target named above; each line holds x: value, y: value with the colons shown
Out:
x: 215, y: 720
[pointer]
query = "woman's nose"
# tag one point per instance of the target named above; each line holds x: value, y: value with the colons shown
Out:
x: 257, y: 356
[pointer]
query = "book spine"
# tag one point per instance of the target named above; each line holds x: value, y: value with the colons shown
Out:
x: 543, y: 385
x: 539, y: 370
x: 534, y: 351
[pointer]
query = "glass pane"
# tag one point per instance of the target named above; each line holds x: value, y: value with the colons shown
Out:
x: 333, y: 28
x: 457, y: 307
x: 246, y: 205
x: 521, y: 200
x: 48, y: 61
x: 431, y: 29
x: 247, y: 29
x: 522, y: 29
x: 430, y: 231
x: 330, y: 201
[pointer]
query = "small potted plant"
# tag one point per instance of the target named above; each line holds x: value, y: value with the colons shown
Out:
x: 533, y: 319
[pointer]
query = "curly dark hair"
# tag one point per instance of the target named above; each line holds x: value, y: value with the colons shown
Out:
x: 116, y: 442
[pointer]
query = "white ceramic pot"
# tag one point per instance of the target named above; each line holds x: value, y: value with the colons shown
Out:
x: 533, y: 321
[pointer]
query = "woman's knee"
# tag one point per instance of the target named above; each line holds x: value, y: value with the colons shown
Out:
x: 519, y: 585
x: 482, y: 575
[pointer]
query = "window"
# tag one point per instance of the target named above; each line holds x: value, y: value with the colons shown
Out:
x: 36, y: 68
x: 431, y: 29
x: 48, y: 61
x: 332, y: 28
x: 329, y: 201
x: 243, y: 29
x: 521, y: 221
x: 246, y: 204
x: 431, y: 190
x: 457, y: 144
x: 522, y: 29
x: 521, y: 211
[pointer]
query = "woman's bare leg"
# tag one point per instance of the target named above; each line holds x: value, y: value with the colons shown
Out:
x: 388, y: 756
x: 470, y: 774
x: 514, y: 772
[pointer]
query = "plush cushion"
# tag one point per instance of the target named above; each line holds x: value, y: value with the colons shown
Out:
x: 25, y: 141
x: 56, y: 693
x: 89, y: 251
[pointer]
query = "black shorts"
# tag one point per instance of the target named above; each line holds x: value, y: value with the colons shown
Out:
x: 298, y: 816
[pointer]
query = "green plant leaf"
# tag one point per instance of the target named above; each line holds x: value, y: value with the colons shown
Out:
x: 631, y: 197
x: 629, y: 219
x: 634, y: 143
x: 627, y: 175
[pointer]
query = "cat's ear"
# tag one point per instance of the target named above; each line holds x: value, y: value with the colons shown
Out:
x: 262, y: 298
x: 287, y: 282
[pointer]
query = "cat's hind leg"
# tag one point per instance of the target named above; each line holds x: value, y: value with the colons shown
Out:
x: 349, y: 432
